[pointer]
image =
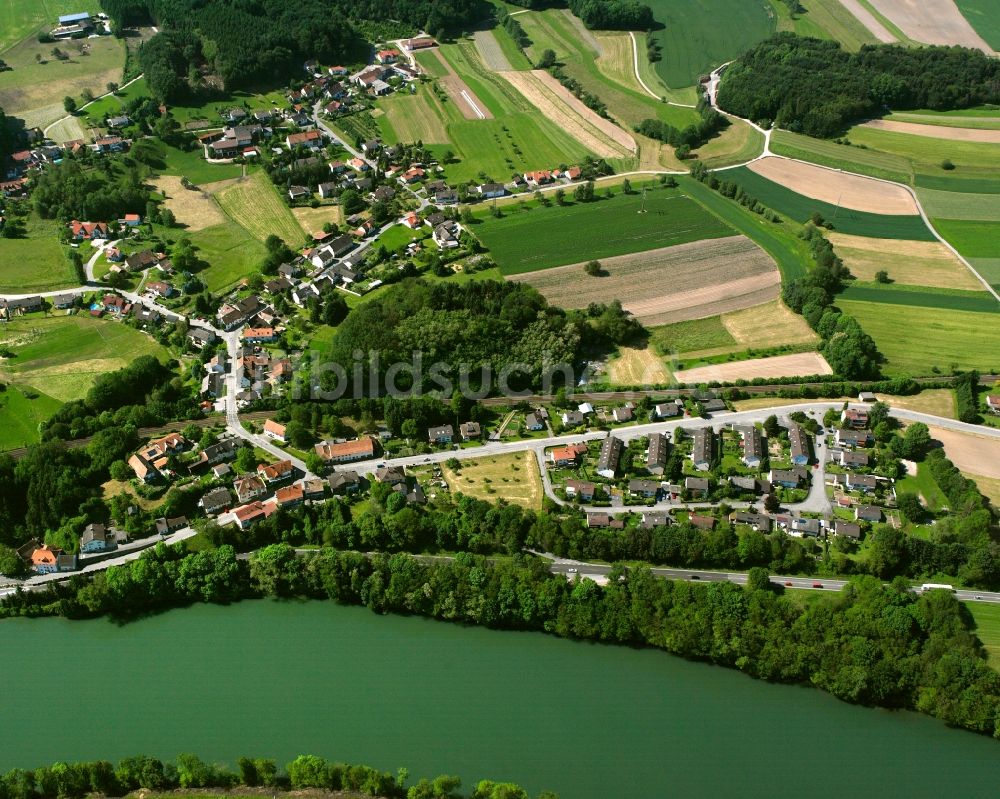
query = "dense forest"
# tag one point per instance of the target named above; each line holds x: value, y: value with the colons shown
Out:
x: 75, y: 190
x: 188, y: 772
x: 477, y: 325
x: 871, y: 643
x: 243, y: 44
x: 812, y: 86
x: 625, y: 15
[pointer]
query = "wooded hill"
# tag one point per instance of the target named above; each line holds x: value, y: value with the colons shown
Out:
x: 814, y: 87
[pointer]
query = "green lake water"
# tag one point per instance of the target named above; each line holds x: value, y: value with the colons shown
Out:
x: 279, y: 679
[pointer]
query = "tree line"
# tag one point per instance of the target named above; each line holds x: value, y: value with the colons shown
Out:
x: 64, y: 780
x: 75, y: 189
x: 625, y: 15
x: 870, y: 643
x: 694, y: 135
x: 813, y: 86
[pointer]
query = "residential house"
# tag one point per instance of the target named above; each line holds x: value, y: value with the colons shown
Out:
x: 470, y: 431
x: 580, y: 488
x: 217, y: 501
x: 809, y: 527
x: 572, y: 419
x: 278, y: 286
x: 248, y: 515
x: 347, y: 451
x: 604, y: 520
x: 798, y: 439
x: 347, y: 482
x: 314, y: 488
x: 89, y: 231
x: 50, y: 560
x: 275, y: 472
x: 391, y: 475
x: 110, y: 144
x: 713, y: 405
x: 753, y: 484
x: 753, y: 446
x: 248, y: 488
x: 289, y: 496
x: 648, y: 489
x: 441, y: 435
x: 623, y: 414
x: 758, y: 521
x: 867, y: 513
x: 700, y: 522
x: 855, y: 417
x: 274, y: 430
x: 865, y: 483
x: 667, y: 410
x: 585, y: 408
x: 993, y: 403
x: 534, y: 422
x: 116, y: 305
x: 853, y: 438
x: 140, y: 261
x: 568, y: 455
x: 656, y: 457
x: 656, y: 519
x: 97, y: 538
x: 199, y: 336
x: 63, y: 301
x: 223, y: 450
x: 538, y: 178
x: 610, y: 457
x: 491, y: 191
x: 446, y: 235
x: 703, y: 444
x: 697, y: 486
x: 258, y: 335
x: 848, y: 529
x: 130, y: 220
x: 160, y: 289
x: 21, y: 305
x: 165, y: 526
x: 788, y: 478
x: 313, y: 139
x: 850, y: 459
x: 298, y: 193
x: 329, y: 190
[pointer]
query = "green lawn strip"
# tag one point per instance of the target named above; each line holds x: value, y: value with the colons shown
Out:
x: 987, y: 619
x: 917, y: 340
x: 844, y: 220
x: 923, y: 483
x: 691, y: 336
x: 779, y: 240
x: 842, y: 156
x: 699, y: 35
x: 960, y: 205
x: 113, y: 104
x: 539, y: 238
x: 22, y: 409
x: 991, y: 122
x: 833, y: 19
x: 515, y: 55
x: 984, y: 17
x: 959, y: 181
x: 231, y: 253
x: 430, y: 64
x: 38, y: 261
x: 972, y: 239
x: 193, y: 166
x: 920, y: 296
x: 494, y: 92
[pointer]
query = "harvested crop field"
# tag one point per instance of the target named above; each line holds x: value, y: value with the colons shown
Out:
x: 869, y: 20
x: 313, y: 219
x: 193, y: 208
x: 977, y: 135
x: 768, y: 325
x: 931, y: 22
x: 255, y: 205
x: 599, y: 135
x: 916, y: 263
x: 671, y: 284
x: 802, y: 363
x: 970, y: 453
x: 638, y: 366
x: 935, y: 401
x: 513, y: 477
x: 460, y: 93
x: 837, y: 188
x: 490, y: 51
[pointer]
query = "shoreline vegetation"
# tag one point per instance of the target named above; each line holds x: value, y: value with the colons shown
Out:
x: 871, y: 644
x: 307, y: 775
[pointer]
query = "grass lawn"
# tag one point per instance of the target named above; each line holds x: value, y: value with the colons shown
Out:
x: 540, y: 237
x: 935, y: 338
x: 37, y: 262
x: 737, y: 144
x: 37, y: 88
x: 513, y: 477
x: 63, y: 355
x: 22, y: 409
x: 399, y: 236
x: 255, y: 205
x: 987, y: 618
x: 935, y: 401
x: 699, y: 35
x: 972, y: 239
x: 923, y: 484
x: 845, y: 220
x: 94, y: 113
x: 841, y: 156
x: 779, y: 240
x: 919, y: 296
x: 193, y: 166
x: 231, y: 253
x: 692, y: 336
x: 984, y: 16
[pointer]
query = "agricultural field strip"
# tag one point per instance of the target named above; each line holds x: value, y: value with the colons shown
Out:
x: 471, y: 106
x: 255, y: 205
x: 948, y: 133
x: 978, y: 302
x: 664, y: 284
x: 960, y: 205
x: 931, y: 22
x: 944, y: 120
x: 837, y: 188
x: 794, y: 365
x: 984, y: 16
x: 868, y: 19
x: 490, y: 51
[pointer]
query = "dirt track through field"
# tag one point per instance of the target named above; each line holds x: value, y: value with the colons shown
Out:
x: 459, y: 92
x: 671, y: 284
x: 802, y: 363
x: 970, y: 453
x: 601, y: 136
x: 868, y: 19
x: 977, y: 135
x: 830, y: 186
x: 931, y: 22
x: 191, y: 207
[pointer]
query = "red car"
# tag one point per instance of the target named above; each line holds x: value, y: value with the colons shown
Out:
x: 788, y: 583
x: 817, y: 585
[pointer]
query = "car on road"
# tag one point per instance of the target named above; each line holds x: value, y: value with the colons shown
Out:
x: 788, y: 583
x: 695, y: 576
x: 571, y: 571
x: 817, y: 585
